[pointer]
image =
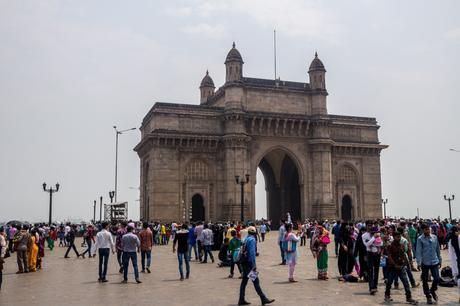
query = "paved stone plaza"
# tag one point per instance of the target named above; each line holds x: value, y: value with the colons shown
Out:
x: 74, y: 282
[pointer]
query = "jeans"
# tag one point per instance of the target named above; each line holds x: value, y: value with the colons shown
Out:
x: 435, y: 273
x: 207, y: 250
x: 336, y: 243
x: 88, y: 250
x: 263, y: 236
x: 119, y: 258
x: 126, y: 257
x: 303, y: 240
x: 190, y: 247
x: 373, y: 266
x: 145, y: 254
x: 392, y: 275
x: 180, y: 258
x: 71, y: 246
x: 103, y: 260
x: 200, y: 249
x: 232, y: 266
x: 244, y: 281
x: 283, y: 260
x: 22, y: 261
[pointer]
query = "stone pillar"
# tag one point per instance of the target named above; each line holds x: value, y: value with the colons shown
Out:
x: 321, y: 163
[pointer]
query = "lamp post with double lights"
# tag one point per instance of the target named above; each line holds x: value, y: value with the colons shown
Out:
x: 242, y: 182
x: 111, y: 195
x: 51, y: 190
x: 117, y: 132
x: 384, y: 202
x: 450, y: 209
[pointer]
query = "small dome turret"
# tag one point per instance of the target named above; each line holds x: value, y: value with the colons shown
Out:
x: 234, y: 65
x: 206, y: 88
x: 316, y: 64
x: 233, y: 55
x: 317, y: 74
x: 207, y: 81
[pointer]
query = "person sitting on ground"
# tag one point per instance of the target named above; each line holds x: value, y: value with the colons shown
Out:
x: 223, y: 254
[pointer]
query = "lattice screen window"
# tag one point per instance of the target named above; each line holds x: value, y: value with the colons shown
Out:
x: 197, y: 170
x: 347, y: 175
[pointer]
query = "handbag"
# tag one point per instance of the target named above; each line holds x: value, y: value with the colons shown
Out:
x: 383, y: 261
x: 326, y: 240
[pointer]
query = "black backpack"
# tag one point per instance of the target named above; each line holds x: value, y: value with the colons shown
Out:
x: 242, y: 256
x: 447, y: 272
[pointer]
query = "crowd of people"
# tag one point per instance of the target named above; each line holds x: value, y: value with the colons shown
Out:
x: 397, y: 247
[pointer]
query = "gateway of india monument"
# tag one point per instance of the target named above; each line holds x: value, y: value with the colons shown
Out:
x: 315, y: 165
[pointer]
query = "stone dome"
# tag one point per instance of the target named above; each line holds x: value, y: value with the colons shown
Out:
x: 207, y: 81
x: 233, y: 55
x: 316, y: 64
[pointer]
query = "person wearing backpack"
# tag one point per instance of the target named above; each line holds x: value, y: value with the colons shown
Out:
x: 234, y: 247
x: 248, y: 262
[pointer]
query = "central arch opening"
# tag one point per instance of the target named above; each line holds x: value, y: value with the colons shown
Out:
x: 282, y: 189
x: 346, y: 208
x: 197, y: 208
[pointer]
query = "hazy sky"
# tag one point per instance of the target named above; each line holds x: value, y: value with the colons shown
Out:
x: 70, y: 70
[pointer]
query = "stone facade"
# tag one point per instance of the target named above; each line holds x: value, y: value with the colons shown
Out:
x: 315, y: 165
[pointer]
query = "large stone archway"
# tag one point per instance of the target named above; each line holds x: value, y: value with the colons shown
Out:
x: 283, y: 127
x: 282, y: 185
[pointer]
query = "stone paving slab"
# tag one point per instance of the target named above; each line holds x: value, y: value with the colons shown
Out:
x: 74, y: 282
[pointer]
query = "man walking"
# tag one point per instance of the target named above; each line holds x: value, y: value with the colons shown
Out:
x: 192, y: 242
x: 104, y: 243
x: 130, y: 243
x: 146, y: 238
x: 398, y: 265
x: 120, y: 233
x: 336, y: 233
x: 22, y: 249
x: 71, y: 241
x: 373, y: 243
x: 249, y: 267
x: 429, y: 259
x: 281, y: 235
x: 181, y: 238
x: 208, y: 240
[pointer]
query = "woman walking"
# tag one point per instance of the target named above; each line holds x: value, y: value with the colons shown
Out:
x: 290, y: 251
x: 320, y: 240
x: 88, y: 236
x: 346, y: 261
x: 33, y: 251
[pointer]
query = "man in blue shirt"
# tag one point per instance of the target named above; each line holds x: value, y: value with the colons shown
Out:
x: 281, y: 234
x: 429, y: 258
x: 250, y: 265
x: 192, y: 242
x: 336, y: 233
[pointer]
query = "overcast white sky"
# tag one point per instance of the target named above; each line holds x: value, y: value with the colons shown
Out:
x: 70, y: 70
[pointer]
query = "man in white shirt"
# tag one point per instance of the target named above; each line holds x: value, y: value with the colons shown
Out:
x: 372, y: 241
x: 104, y: 243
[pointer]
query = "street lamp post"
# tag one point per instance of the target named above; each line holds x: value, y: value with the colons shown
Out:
x: 384, y: 202
x: 94, y: 212
x: 51, y: 191
x: 242, y: 182
x: 100, y: 209
x: 449, y: 200
x: 111, y: 195
x: 117, y: 132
